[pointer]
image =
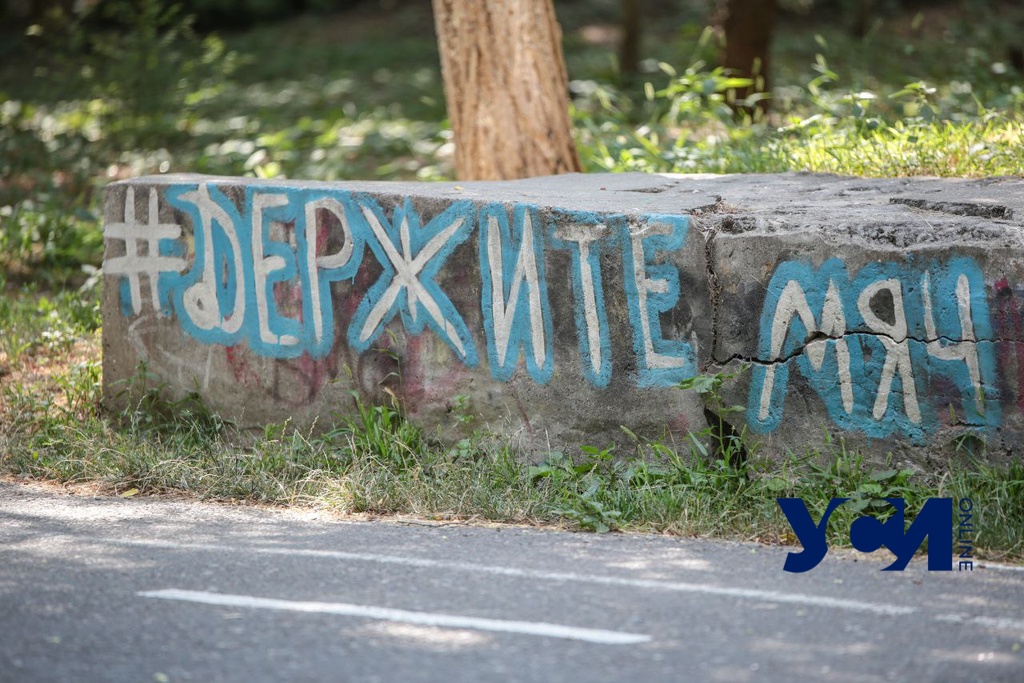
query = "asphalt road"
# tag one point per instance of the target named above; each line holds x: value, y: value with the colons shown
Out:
x: 155, y: 590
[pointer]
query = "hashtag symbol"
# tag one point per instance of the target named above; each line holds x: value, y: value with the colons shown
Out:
x: 142, y: 256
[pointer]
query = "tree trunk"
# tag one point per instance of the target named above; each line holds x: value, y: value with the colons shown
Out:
x: 629, y: 47
x: 506, y: 88
x: 747, y: 25
x: 862, y: 12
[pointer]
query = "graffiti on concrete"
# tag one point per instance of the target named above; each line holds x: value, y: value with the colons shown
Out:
x: 262, y: 271
x: 874, y: 345
x: 651, y: 289
x: 892, y: 348
x: 514, y: 297
x: 1008, y: 320
x: 160, y: 260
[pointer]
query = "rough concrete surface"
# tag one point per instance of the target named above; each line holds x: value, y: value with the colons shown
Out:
x: 555, y: 310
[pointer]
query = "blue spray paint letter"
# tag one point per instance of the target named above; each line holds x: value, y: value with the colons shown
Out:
x: 584, y: 234
x: 319, y: 270
x: 514, y: 298
x: 869, y: 345
x: 651, y: 290
x: 211, y: 299
x: 411, y: 257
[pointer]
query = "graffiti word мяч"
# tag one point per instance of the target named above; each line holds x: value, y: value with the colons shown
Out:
x: 871, y: 343
x: 279, y: 236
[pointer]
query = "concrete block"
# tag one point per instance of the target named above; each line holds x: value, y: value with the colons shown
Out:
x: 885, y: 312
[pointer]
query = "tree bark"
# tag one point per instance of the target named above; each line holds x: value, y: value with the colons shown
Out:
x: 748, y: 25
x: 862, y: 12
x: 506, y: 88
x: 629, y: 48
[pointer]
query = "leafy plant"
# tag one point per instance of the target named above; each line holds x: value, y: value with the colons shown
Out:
x: 590, y: 513
x: 381, y: 432
x: 728, y: 443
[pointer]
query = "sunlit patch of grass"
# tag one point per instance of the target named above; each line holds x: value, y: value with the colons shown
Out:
x: 689, y: 127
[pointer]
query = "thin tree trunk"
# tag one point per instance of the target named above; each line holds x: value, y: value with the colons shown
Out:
x: 748, y: 28
x: 629, y: 48
x: 862, y: 13
x: 506, y: 88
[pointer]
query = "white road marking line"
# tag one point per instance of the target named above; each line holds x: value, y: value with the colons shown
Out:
x: 531, y: 628
x: 532, y: 574
x: 999, y: 566
x: 993, y: 622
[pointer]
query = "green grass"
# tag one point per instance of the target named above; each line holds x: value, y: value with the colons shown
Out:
x: 316, y: 97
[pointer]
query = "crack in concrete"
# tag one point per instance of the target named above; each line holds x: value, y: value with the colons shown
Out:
x: 651, y: 190
x: 820, y: 336
x: 710, y: 227
x: 994, y: 211
x: 654, y: 189
x: 714, y: 285
x: 720, y: 206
